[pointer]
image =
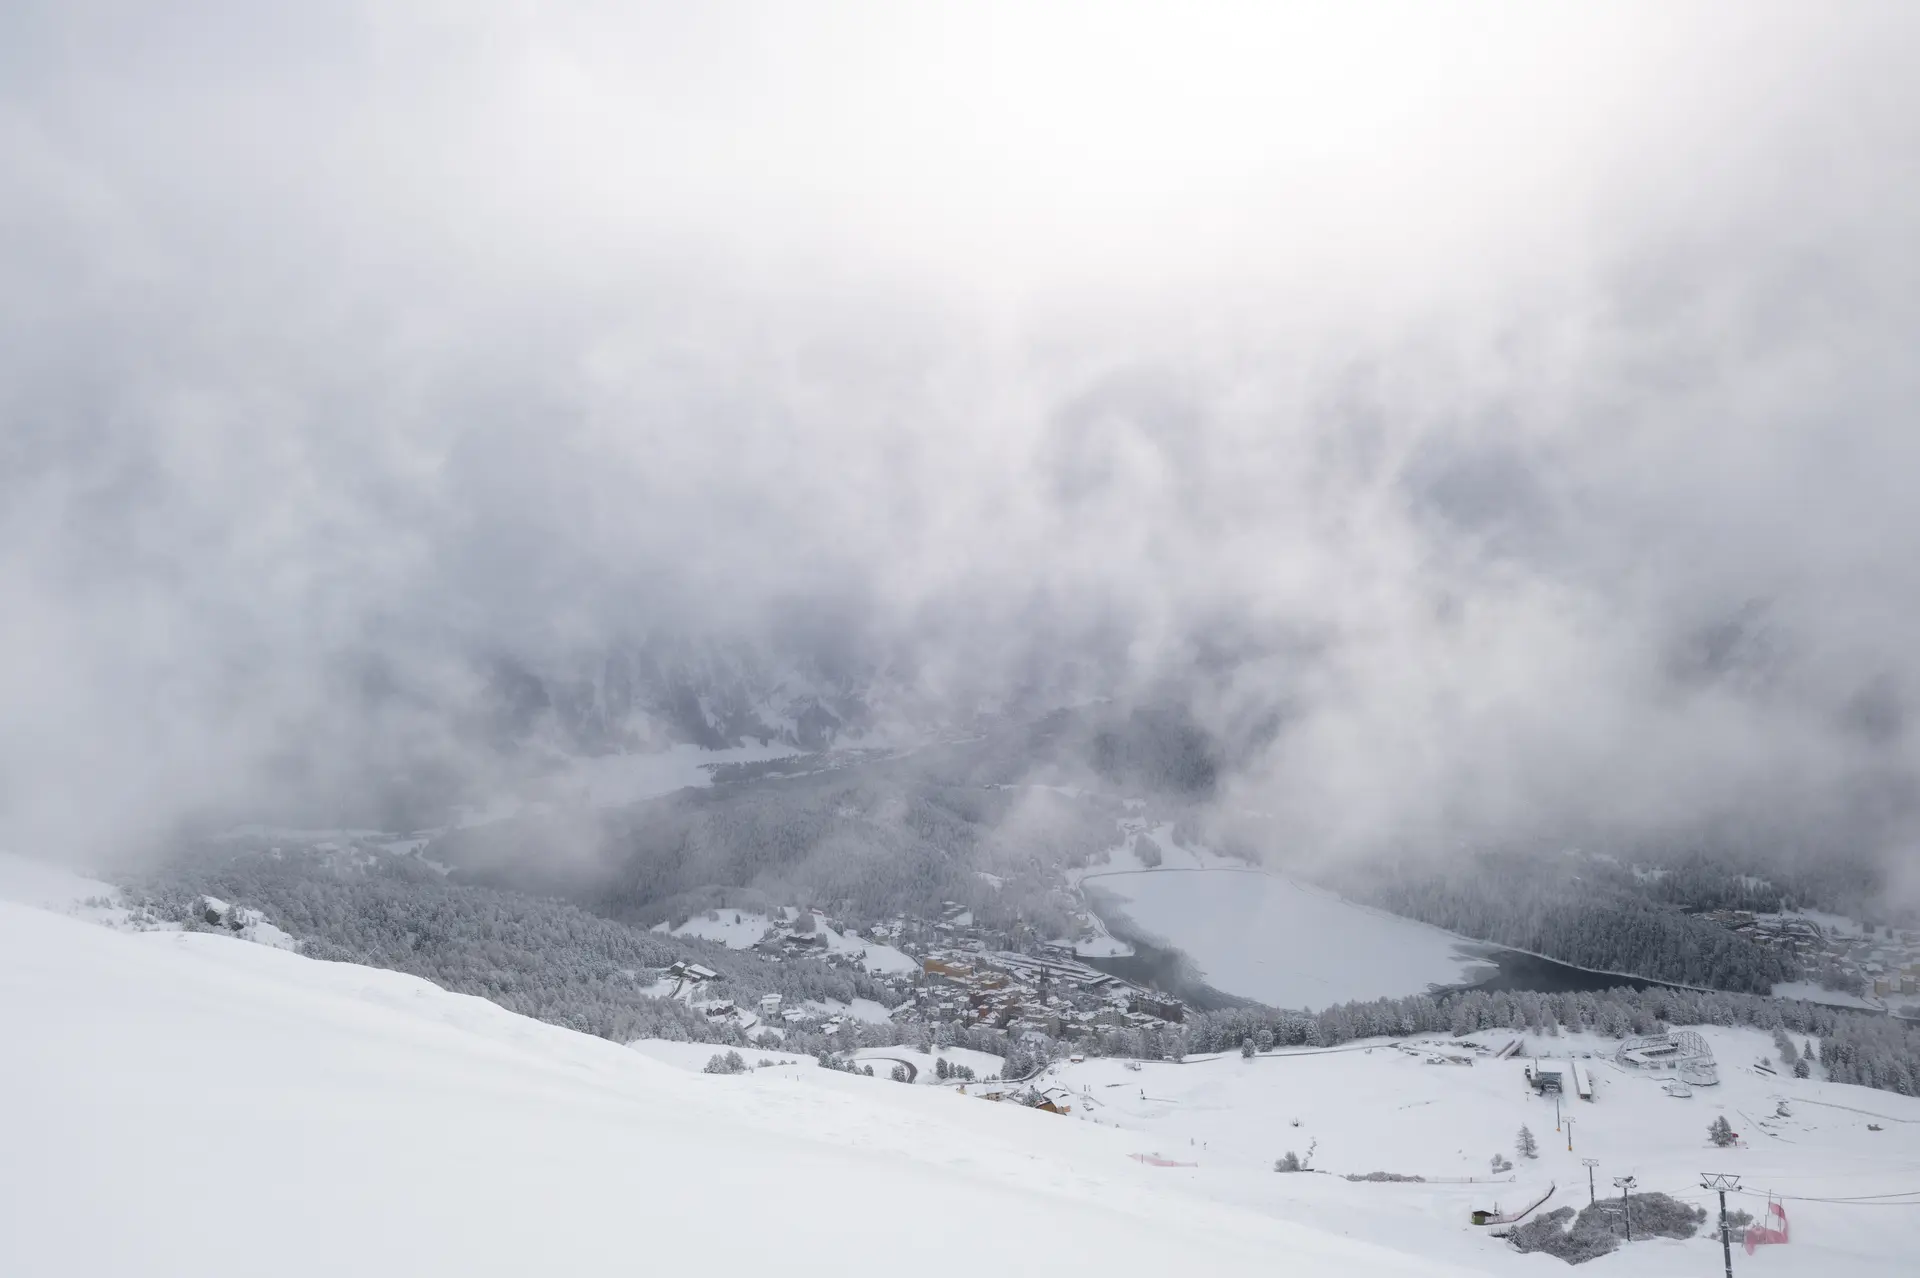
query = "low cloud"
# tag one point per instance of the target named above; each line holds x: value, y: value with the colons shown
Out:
x: 1485, y: 426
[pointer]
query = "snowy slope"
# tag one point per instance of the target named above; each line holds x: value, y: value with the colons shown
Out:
x: 1371, y: 1106
x: 735, y: 929
x: 175, y: 1102
x: 50, y: 887
x: 872, y: 955
x: 925, y: 1065
x: 750, y: 928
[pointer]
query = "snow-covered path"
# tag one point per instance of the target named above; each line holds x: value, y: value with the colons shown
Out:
x: 178, y: 1102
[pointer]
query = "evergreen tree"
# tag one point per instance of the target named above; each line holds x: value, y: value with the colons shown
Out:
x: 1526, y: 1145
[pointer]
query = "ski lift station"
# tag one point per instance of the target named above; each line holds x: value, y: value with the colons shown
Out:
x: 1568, y: 1077
x: 1682, y: 1054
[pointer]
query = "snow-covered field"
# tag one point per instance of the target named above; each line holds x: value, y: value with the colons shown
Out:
x: 735, y: 929
x: 1814, y: 992
x: 924, y: 1067
x: 179, y: 1101
x: 1265, y: 937
x: 1374, y: 1107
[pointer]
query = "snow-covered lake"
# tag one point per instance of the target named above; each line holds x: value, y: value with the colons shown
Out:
x: 1261, y: 936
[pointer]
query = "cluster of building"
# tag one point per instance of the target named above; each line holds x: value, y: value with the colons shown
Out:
x: 787, y: 943
x: 1884, y: 961
x: 1050, y: 993
x: 1801, y: 937
x: 966, y: 976
x: 770, y: 1012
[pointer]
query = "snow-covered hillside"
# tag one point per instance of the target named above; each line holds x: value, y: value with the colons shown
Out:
x: 742, y: 929
x: 179, y: 1101
x: 50, y: 887
x: 923, y: 1067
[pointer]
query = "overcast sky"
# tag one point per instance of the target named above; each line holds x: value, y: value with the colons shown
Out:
x: 1521, y: 397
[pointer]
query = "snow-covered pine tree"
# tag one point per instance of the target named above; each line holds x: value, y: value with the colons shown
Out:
x: 1527, y: 1146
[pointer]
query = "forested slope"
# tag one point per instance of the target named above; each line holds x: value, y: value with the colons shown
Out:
x: 546, y: 959
x: 1573, y: 914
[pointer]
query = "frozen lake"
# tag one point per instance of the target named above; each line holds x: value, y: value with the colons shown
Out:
x: 1264, y: 937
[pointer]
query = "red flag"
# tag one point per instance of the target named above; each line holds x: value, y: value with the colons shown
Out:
x: 1773, y: 1231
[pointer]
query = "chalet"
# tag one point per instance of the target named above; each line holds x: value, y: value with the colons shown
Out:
x: 1055, y: 1100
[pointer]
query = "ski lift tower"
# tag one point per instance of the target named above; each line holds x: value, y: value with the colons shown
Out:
x: 1721, y: 1184
x: 1625, y: 1185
